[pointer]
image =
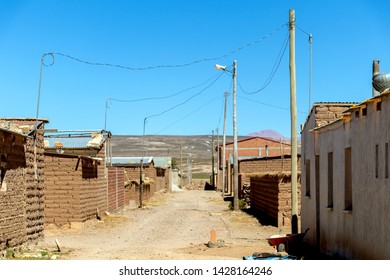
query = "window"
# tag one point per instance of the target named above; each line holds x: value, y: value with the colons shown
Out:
x: 348, y: 180
x: 364, y: 111
x: 307, y: 181
x: 357, y: 113
x: 160, y: 172
x: 330, y: 180
x: 379, y: 106
x: 89, y: 169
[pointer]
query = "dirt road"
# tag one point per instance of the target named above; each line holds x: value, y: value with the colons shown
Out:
x: 170, y: 226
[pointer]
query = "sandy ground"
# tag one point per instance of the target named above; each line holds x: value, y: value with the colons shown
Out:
x: 170, y: 226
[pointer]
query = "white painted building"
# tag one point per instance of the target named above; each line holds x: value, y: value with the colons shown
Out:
x: 345, y: 178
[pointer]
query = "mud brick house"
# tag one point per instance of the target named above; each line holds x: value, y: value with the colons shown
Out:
x: 265, y: 187
x: 252, y: 147
x: 75, y: 176
x: 345, y: 177
x: 270, y: 197
x: 132, y: 174
x: 21, y: 181
x: 153, y: 177
x: 164, y: 175
x: 248, y: 166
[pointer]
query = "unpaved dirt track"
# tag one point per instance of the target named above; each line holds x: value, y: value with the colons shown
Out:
x: 170, y: 226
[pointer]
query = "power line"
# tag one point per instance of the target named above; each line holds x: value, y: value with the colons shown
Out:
x: 308, y: 34
x: 184, y: 102
x: 273, y: 71
x: 161, y: 97
x: 269, y: 105
x: 189, y: 114
x: 221, y: 113
x: 170, y: 65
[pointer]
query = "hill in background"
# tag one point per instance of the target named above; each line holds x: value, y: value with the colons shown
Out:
x: 180, y: 148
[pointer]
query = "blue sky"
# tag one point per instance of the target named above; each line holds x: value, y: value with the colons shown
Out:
x: 185, y: 94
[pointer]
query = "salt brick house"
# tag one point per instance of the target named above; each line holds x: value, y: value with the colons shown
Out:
x: 76, y: 178
x: 345, y: 178
x: 21, y: 181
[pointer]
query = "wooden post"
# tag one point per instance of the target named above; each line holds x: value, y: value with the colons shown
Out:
x: 235, y: 137
x: 294, y: 150
x: 224, y: 147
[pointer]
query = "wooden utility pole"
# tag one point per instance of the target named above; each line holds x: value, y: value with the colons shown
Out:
x: 235, y: 137
x: 218, y: 161
x: 212, y: 160
x: 224, y: 146
x: 181, y: 165
x: 294, y: 150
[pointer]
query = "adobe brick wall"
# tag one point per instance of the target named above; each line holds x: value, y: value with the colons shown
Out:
x: 21, y: 193
x: 132, y: 175
x: 115, y: 188
x: 163, y: 178
x: 327, y: 113
x: 35, y: 196
x: 75, y: 188
x: 246, y: 167
x: 256, y: 147
x: 265, y: 165
x: 270, y: 196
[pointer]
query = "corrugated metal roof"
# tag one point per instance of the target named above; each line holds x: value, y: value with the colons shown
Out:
x: 75, y: 140
x: 131, y: 160
x: 243, y: 157
x: 162, y: 162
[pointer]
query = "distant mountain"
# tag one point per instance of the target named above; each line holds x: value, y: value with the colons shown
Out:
x: 269, y: 133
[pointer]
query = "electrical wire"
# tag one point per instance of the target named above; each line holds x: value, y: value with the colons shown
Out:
x: 184, y: 102
x: 170, y: 65
x: 221, y: 113
x: 273, y: 71
x: 189, y: 114
x: 220, y: 116
x: 161, y: 97
x: 308, y: 34
x: 269, y: 105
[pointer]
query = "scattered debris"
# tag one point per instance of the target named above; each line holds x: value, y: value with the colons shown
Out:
x: 176, y: 188
x: 218, y: 244
x: 269, y: 256
x: 58, y: 245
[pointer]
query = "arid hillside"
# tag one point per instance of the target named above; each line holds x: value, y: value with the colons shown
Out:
x: 180, y: 148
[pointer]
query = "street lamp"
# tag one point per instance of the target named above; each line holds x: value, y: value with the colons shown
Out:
x: 220, y: 67
x: 235, y: 146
